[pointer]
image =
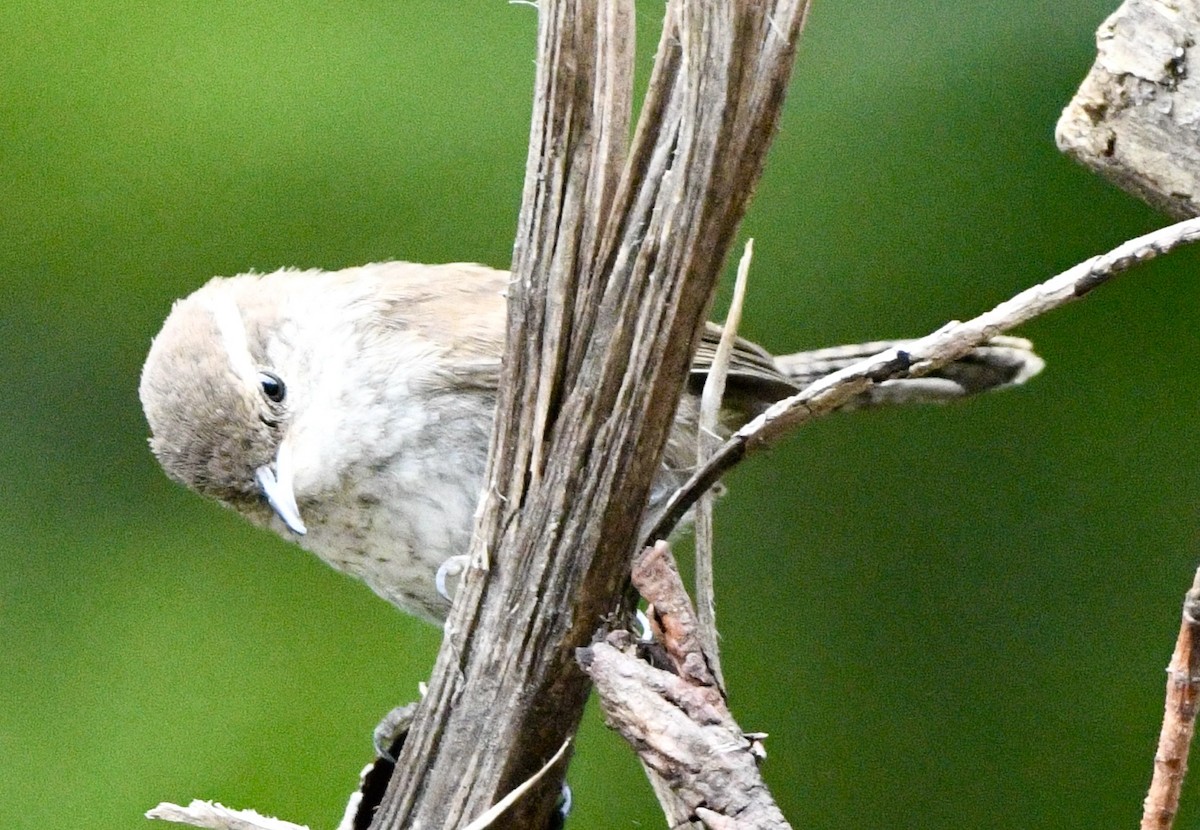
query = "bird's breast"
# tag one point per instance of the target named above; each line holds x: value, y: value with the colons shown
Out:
x: 393, y: 527
x: 402, y: 499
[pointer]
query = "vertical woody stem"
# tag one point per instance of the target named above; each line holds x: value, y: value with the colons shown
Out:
x: 1179, y: 719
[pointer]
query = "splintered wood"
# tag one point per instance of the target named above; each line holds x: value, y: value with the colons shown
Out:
x: 675, y: 714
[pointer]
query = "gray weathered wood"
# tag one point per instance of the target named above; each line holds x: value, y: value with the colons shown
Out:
x: 615, y: 264
x: 1136, y: 117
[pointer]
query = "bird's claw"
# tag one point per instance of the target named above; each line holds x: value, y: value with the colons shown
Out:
x: 452, y: 567
x: 389, y: 735
x: 645, y: 634
x: 565, y: 801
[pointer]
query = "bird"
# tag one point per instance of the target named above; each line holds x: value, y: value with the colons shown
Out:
x: 350, y: 411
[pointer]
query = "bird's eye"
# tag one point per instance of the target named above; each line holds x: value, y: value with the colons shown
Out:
x: 272, y: 386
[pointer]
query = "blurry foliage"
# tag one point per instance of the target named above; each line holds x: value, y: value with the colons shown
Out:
x: 945, y: 617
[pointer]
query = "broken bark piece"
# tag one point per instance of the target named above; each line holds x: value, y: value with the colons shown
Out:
x: 703, y: 767
x: 1136, y: 117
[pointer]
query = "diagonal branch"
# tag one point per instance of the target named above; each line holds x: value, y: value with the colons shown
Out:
x: 931, y: 352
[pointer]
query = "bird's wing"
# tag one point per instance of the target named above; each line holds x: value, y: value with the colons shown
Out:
x: 458, y: 308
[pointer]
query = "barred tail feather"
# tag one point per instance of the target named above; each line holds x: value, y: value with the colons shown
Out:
x: 1000, y: 363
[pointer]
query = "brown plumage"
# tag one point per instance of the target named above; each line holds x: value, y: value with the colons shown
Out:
x: 350, y: 411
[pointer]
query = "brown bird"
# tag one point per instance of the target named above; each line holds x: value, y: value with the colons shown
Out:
x: 350, y: 411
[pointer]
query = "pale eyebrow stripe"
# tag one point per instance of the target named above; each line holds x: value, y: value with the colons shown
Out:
x: 233, y: 336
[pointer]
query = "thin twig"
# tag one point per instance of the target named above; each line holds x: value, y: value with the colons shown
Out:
x: 496, y: 810
x: 707, y: 441
x: 1179, y: 719
x: 948, y: 343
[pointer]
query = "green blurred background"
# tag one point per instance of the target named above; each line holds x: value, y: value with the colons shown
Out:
x: 945, y: 617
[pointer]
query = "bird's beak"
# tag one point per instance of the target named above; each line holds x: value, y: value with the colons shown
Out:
x: 276, y: 485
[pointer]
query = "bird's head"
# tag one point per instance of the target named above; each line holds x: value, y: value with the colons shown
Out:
x: 219, y: 406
